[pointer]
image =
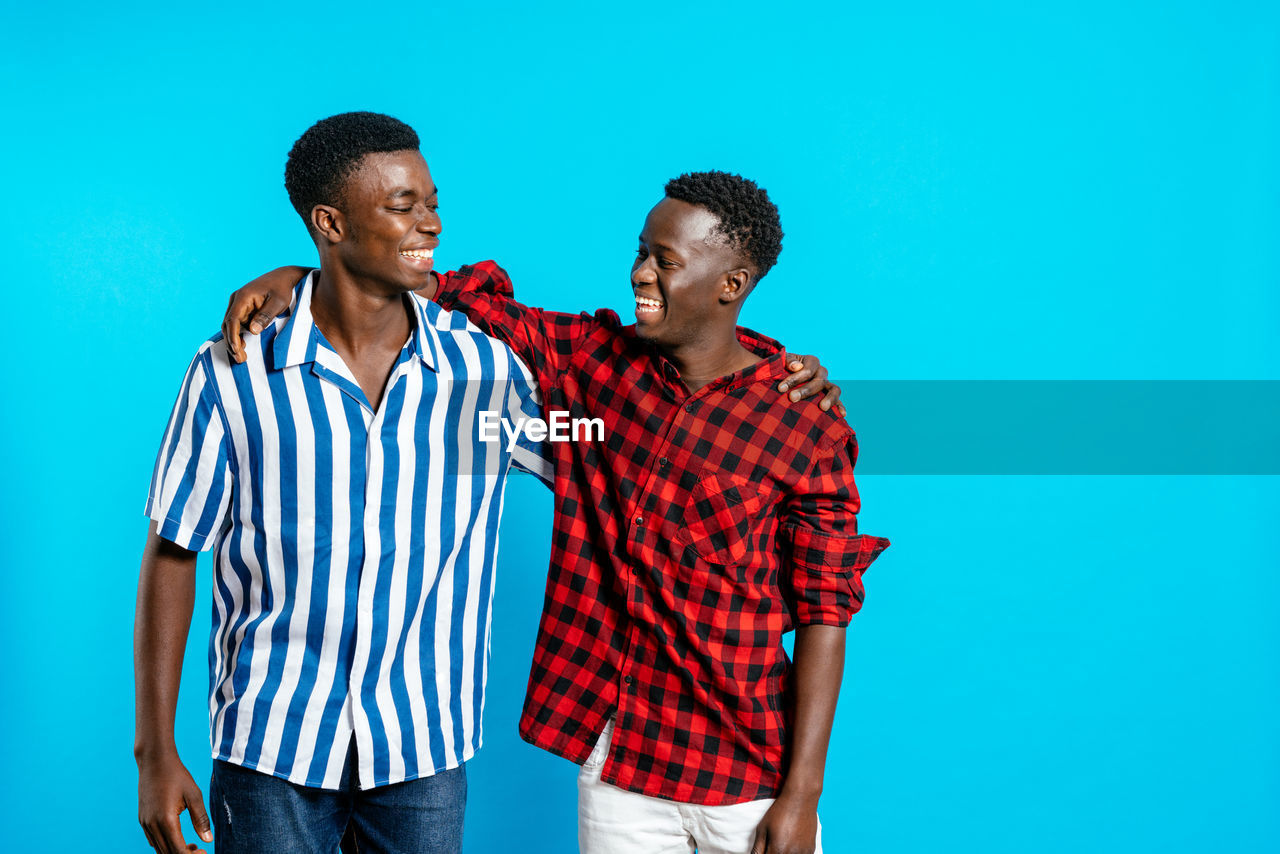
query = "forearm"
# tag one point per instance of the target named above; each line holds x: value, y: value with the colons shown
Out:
x: 818, y: 669
x: 166, y: 595
x: 483, y: 292
x: 282, y: 279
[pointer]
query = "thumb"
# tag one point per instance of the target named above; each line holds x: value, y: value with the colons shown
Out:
x: 272, y: 307
x: 761, y: 842
x: 199, y: 818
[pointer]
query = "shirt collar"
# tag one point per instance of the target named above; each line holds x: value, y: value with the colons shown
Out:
x: 770, y: 367
x: 300, y: 339
x: 423, y: 341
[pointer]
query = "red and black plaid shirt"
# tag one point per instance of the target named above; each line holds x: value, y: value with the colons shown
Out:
x: 686, y: 543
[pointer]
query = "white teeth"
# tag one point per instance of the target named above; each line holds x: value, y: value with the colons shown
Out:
x: 418, y: 253
x: 644, y: 305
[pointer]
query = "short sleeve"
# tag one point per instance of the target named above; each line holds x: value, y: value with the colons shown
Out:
x: 523, y: 404
x: 191, y: 484
x: 827, y: 555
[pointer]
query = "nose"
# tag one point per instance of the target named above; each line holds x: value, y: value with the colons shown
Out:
x: 430, y: 223
x: 642, y: 272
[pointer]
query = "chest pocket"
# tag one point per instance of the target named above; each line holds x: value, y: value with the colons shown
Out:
x: 718, y: 517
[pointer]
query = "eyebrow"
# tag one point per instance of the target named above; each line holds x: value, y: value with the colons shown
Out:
x: 405, y: 191
x: 659, y: 246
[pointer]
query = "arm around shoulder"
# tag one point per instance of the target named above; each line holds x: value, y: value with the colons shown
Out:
x: 256, y: 304
x: 545, y: 340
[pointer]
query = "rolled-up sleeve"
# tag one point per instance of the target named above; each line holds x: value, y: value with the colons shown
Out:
x: 191, y: 483
x: 827, y: 555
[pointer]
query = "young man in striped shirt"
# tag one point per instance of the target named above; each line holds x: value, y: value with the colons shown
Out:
x: 337, y: 475
x: 705, y: 524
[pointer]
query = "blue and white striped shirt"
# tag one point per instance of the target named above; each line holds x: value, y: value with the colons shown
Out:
x: 354, y: 549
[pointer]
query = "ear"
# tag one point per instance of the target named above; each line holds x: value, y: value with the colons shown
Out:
x: 736, y: 285
x: 329, y: 223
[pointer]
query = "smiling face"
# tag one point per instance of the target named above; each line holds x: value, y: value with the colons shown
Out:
x: 388, y: 223
x: 686, y: 278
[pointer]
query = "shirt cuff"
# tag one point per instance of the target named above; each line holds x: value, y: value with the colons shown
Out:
x: 827, y: 573
x: 448, y: 289
x: 181, y: 534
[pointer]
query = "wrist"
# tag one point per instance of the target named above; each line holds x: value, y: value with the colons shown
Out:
x: 151, y: 752
x: 806, y: 792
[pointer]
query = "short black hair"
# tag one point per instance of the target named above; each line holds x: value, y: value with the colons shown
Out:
x: 747, y: 218
x: 330, y: 150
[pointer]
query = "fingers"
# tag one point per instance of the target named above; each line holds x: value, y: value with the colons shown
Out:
x: 801, y: 368
x: 760, y: 845
x: 253, y: 312
x: 169, y: 831
x: 231, y: 322
x: 809, y: 377
x: 152, y: 827
x: 833, y: 399
x: 199, y: 818
x: 164, y: 833
x: 272, y: 307
x: 813, y: 386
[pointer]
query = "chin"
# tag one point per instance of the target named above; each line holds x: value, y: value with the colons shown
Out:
x: 413, y: 283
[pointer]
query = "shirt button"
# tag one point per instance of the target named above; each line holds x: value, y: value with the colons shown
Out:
x: 664, y: 462
x: 627, y: 679
x: 689, y: 407
x: 639, y: 520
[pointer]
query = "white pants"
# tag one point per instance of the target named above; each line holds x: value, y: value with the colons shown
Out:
x: 615, y: 821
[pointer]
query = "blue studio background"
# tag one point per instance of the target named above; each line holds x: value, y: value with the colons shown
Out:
x: 996, y: 190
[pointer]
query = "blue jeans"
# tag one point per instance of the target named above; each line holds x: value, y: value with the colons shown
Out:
x: 254, y: 813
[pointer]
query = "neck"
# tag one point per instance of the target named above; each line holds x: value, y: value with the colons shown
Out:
x: 709, y: 357
x: 353, y: 315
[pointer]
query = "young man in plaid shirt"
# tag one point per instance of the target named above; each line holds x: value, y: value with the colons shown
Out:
x: 705, y: 524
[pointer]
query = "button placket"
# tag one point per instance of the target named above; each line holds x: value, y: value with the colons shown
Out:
x: 658, y: 467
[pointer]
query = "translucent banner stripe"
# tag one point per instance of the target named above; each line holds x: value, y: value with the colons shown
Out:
x: 1138, y: 427
x: 1012, y: 427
